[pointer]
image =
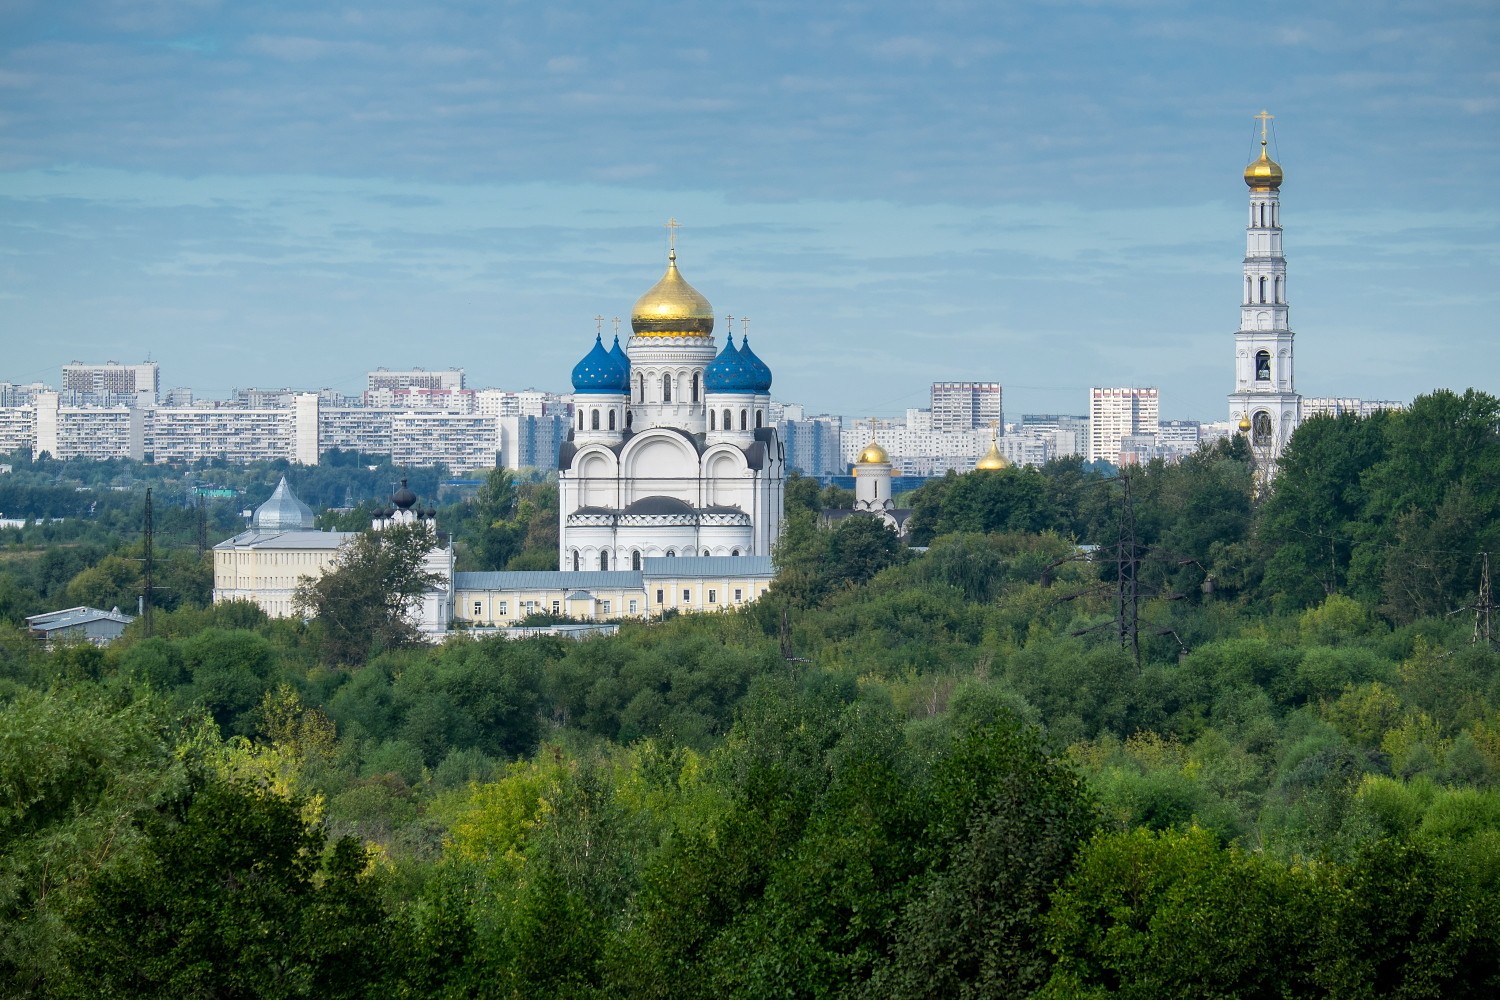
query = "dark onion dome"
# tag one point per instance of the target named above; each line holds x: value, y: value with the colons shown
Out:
x: 727, y: 372
x: 600, y: 372
x: 404, y: 497
x: 760, y: 373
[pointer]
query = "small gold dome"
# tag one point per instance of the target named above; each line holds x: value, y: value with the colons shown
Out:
x: 1244, y: 422
x: 992, y: 460
x: 873, y: 454
x: 672, y: 308
x: 1264, y: 174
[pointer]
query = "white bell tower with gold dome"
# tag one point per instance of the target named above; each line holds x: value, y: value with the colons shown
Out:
x: 1264, y: 404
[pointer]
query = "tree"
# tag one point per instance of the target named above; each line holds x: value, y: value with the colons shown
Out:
x: 233, y: 897
x: 861, y: 546
x: 494, y: 537
x: 1172, y: 914
x: 370, y: 599
x: 76, y: 773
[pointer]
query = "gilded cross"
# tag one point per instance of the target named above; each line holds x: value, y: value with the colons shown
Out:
x: 671, y: 227
x: 744, y: 326
x: 617, y: 326
x: 729, y: 322
x: 599, y: 325
x: 1265, y: 120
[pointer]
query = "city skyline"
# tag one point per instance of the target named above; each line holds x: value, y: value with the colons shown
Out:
x: 1044, y: 196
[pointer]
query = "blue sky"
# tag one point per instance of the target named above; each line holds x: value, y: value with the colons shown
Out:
x: 1045, y: 194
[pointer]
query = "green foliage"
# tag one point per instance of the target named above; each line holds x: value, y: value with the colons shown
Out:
x: 371, y: 598
x: 232, y: 895
x: 76, y: 772
x: 1171, y: 914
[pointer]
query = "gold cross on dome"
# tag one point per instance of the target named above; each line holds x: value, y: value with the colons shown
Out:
x: 1265, y: 120
x: 599, y: 324
x: 617, y: 326
x: 744, y: 326
x: 729, y: 322
x: 671, y: 227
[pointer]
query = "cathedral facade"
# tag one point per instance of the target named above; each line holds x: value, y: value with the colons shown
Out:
x: 672, y: 453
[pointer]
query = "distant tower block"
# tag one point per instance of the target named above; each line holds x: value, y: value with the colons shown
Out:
x: 1264, y: 403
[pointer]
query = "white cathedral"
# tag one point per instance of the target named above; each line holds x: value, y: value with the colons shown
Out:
x: 1264, y: 403
x: 672, y: 452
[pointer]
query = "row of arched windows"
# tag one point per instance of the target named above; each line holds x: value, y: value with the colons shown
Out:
x: 594, y: 419
x: 1264, y: 215
x: 1264, y: 285
x: 727, y: 423
x: 680, y: 384
x: 635, y: 558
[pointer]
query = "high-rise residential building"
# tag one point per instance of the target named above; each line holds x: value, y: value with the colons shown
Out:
x: 1264, y: 401
x: 813, y: 445
x: 1117, y: 414
x: 113, y: 379
x: 966, y: 406
x: 1333, y: 406
x: 416, y: 378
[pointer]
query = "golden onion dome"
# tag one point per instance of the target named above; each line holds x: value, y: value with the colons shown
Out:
x: 672, y: 308
x: 873, y: 454
x: 992, y: 460
x: 1244, y: 422
x: 1265, y: 173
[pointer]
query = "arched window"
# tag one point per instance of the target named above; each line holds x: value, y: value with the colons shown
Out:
x: 734, y: 552
x: 666, y: 386
x: 611, y: 419
x: 640, y: 382
x: 595, y: 420
x: 1263, y: 366
x: 1263, y: 288
x: 711, y: 419
x: 744, y: 423
x: 1249, y: 294
x: 575, y: 560
x: 1260, y: 429
x: 695, y: 387
x: 759, y: 414
x: 629, y: 420
x: 635, y: 559
x: 1278, y: 290
x: 707, y: 553
x: 728, y: 421
x: 580, y: 420
x: 604, y: 560
x: 671, y: 553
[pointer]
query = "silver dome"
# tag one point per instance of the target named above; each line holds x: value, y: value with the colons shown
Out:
x: 283, y: 512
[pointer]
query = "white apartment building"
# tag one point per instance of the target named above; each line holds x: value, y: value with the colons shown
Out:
x: 1333, y: 406
x: 113, y: 379
x: 415, y: 378
x: 189, y: 433
x: 464, y: 442
x: 1118, y: 413
x: 966, y: 406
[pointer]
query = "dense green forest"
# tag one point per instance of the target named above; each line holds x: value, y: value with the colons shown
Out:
x: 1140, y: 734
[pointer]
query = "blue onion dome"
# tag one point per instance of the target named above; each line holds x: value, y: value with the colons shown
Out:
x: 759, y: 372
x: 600, y: 372
x: 622, y: 360
x: 727, y: 372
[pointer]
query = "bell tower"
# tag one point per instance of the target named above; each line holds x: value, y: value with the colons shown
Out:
x: 1264, y: 404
